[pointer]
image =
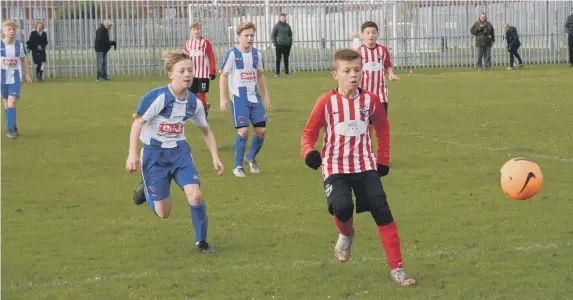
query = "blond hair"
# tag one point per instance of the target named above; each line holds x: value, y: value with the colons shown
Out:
x: 244, y: 26
x: 195, y: 26
x: 10, y: 23
x: 172, y: 57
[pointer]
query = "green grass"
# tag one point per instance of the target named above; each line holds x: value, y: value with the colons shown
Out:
x: 71, y: 231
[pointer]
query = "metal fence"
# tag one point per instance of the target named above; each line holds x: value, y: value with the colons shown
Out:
x: 419, y: 34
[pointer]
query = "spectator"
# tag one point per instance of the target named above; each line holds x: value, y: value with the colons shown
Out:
x: 282, y: 39
x: 569, y: 29
x: 102, y: 46
x: 513, y: 44
x: 485, y: 37
x: 37, y: 45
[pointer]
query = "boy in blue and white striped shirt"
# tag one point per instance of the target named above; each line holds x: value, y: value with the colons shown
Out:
x: 13, y: 62
x: 243, y: 71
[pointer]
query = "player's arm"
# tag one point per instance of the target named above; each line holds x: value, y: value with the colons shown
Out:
x: 382, y: 131
x: 211, y: 58
x: 149, y: 107
x: 263, y: 82
x: 25, y: 65
x: 226, y: 69
x: 311, y: 133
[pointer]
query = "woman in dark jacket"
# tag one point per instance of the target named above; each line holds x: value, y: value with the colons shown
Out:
x: 37, y: 44
x: 513, y: 44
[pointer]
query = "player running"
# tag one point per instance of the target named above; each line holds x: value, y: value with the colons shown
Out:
x: 349, y: 162
x: 159, y: 124
x: 242, y: 69
x: 13, y: 61
x: 201, y: 51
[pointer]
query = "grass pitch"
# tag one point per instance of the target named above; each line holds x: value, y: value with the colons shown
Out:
x: 71, y: 231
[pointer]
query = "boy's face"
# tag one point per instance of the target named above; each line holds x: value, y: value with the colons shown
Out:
x: 196, y: 32
x: 348, y: 73
x: 246, y: 38
x: 9, y: 31
x: 182, y: 73
x: 282, y: 19
x: 370, y: 35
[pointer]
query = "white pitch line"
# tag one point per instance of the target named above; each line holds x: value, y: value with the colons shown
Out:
x: 261, y: 266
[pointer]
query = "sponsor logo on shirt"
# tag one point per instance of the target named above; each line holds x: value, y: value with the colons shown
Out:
x: 171, y: 128
x: 10, y: 62
x: 248, y: 76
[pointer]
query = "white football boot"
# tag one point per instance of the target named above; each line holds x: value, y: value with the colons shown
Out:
x: 401, y: 277
x: 253, y: 166
x: 239, y: 172
x: 342, y: 248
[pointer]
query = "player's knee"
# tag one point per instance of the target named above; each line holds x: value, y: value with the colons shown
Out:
x: 243, y: 132
x: 342, y: 208
x: 261, y: 131
x: 193, y: 193
x: 11, y: 102
x: 380, y: 210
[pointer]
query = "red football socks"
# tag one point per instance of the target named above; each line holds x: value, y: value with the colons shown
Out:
x: 391, y: 243
x: 345, y: 228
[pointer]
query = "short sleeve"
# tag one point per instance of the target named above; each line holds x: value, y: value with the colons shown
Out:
x: 260, y: 63
x: 151, y: 105
x: 387, y: 60
x: 22, y: 50
x: 200, y: 118
x: 228, y: 62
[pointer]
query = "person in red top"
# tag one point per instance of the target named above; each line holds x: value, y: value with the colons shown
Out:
x: 376, y: 63
x: 204, y: 65
x: 348, y: 159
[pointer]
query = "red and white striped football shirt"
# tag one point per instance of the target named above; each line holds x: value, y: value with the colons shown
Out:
x: 203, y: 57
x: 347, y: 146
x: 375, y: 63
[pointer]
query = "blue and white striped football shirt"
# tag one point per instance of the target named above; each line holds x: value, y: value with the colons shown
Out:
x: 11, y: 62
x: 242, y: 68
x: 165, y: 117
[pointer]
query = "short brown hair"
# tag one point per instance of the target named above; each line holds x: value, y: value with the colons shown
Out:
x: 345, y: 55
x: 282, y: 15
x: 195, y: 26
x: 368, y: 24
x: 244, y: 26
x: 173, y: 57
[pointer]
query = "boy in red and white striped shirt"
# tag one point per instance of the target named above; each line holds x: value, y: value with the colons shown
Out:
x: 376, y: 63
x: 348, y: 159
x: 204, y: 65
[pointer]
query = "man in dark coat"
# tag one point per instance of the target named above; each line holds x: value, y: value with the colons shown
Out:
x: 513, y: 44
x: 37, y: 45
x: 485, y: 37
x: 569, y: 29
x: 102, y: 46
x: 282, y: 39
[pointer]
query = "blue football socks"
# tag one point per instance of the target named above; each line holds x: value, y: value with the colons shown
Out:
x: 199, y: 219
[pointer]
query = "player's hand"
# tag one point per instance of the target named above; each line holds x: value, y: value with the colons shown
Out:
x: 393, y: 77
x: 28, y: 79
x: 313, y: 159
x: 267, y: 102
x: 223, y: 103
x: 382, y: 170
x: 212, y: 77
x: 132, y: 163
x: 218, y: 167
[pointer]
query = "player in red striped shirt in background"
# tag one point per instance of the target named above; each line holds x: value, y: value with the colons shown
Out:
x: 376, y: 63
x: 348, y: 159
x: 204, y: 65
